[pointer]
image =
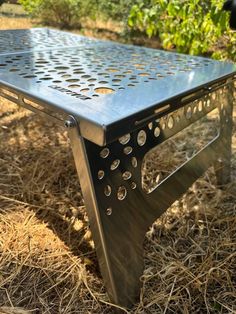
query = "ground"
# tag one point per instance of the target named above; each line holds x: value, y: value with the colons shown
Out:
x: 47, y: 261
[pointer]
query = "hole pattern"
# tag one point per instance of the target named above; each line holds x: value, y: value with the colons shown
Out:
x: 122, y: 159
x: 88, y: 68
x: 37, y: 39
x: 191, y: 117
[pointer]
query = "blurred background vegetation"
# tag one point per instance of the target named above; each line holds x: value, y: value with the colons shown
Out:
x: 198, y: 27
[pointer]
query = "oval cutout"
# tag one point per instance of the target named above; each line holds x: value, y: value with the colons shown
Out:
x: 104, y: 90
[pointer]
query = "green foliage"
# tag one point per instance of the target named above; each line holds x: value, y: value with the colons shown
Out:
x: 228, y: 50
x: 193, y: 26
x: 117, y: 10
x: 189, y: 26
x: 1, y: 2
x: 231, y: 47
x: 62, y: 13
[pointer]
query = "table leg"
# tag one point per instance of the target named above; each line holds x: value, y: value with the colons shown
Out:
x: 119, y: 211
x: 118, y: 226
x: 222, y: 166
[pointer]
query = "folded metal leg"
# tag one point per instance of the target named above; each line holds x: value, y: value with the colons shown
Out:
x: 222, y: 165
x: 118, y: 219
x: 119, y: 210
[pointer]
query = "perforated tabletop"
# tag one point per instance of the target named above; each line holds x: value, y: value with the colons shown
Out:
x: 108, y: 87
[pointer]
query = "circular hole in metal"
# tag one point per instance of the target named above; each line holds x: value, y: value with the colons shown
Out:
x: 133, y: 185
x: 141, y: 138
x: 157, y: 131
x: 170, y: 122
x: 30, y: 76
x: 144, y: 74
x: 200, y: 106
x: 126, y: 175
x: 119, y: 75
x: 74, y: 86
x: 46, y: 78
x: 14, y: 70
x: 121, y: 193
x: 107, y: 190
x: 194, y: 109
x: 101, y: 174
x: 208, y: 103
x: 213, y: 96
x: 104, y: 90
x: 84, y: 90
x: 112, y: 70
x: 124, y: 139
x: 109, y: 211
x: 85, y: 76
x: 150, y: 125
x: 163, y: 126
x: 189, y: 113
x: 72, y: 80
x: 128, y: 150
x: 105, y: 152
x: 134, y: 162
x: 57, y: 68
x: 115, y: 164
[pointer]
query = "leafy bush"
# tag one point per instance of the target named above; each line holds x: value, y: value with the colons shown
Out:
x: 62, y: 13
x: 118, y: 10
x: 189, y: 26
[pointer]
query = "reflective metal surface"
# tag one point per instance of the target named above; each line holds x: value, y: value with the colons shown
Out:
x: 37, y: 39
x: 102, y: 84
x: 120, y: 211
x: 128, y: 100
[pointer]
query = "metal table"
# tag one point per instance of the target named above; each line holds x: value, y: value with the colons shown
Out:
x: 118, y: 102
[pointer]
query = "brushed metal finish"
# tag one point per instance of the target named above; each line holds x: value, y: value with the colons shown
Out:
x: 153, y: 96
x: 69, y: 73
x: 120, y: 210
x: 223, y: 163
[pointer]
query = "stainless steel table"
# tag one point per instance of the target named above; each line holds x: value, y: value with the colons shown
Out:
x: 118, y: 102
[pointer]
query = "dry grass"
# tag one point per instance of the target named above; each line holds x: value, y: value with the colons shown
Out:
x: 13, y: 23
x: 47, y: 257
